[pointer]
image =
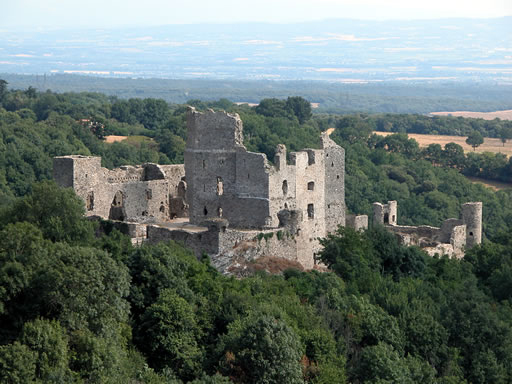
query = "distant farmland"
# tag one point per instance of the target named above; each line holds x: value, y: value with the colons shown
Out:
x: 489, y: 145
x: 503, y: 115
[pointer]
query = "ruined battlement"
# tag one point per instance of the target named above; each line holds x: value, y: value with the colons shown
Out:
x: 210, y: 130
x: 452, y: 238
x: 225, y: 180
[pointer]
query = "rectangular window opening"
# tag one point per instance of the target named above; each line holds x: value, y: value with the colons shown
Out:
x: 311, y: 211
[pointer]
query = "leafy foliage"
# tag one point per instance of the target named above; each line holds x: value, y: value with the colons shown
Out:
x: 78, y: 308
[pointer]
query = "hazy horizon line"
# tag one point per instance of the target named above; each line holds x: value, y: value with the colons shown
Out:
x: 213, y: 23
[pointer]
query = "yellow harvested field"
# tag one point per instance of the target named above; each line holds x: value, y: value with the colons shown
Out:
x: 503, y: 115
x: 489, y: 145
x: 113, y: 138
x: 496, y: 185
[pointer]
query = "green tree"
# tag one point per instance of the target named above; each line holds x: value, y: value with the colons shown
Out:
x: 57, y: 211
x: 261, y: 349
x: 475, y: 139
x: 453, y: 155
x: 3, y: 90
x: 17, y: 364
x: 49, y: 341
x: 300, y: 107
x: 505, y: 134
x: 169, y: 335
x: 272, y: 108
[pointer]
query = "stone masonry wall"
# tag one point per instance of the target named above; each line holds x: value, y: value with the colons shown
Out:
x: 454, y: 236
x: 291, y: 204
x: 134, y: 194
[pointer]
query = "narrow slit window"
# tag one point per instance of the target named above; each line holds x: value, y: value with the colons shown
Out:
x: 90, y: 201
x: 220, y: 186
x: 311, y: 186
x: 285, y: 187
x: 311, y: 211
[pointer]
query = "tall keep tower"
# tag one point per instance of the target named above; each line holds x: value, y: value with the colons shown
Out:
x: 472, y: 217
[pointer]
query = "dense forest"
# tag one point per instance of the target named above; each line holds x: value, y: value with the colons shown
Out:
x: 80, y: 304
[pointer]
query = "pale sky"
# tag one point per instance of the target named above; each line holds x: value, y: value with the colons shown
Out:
x: 15, y: 14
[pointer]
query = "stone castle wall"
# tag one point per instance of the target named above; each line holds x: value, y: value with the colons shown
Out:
x: 238, y: 204
x: 231, y: 196
x: 452, y: 238
x: 134, y: 194
x: 227, y: 181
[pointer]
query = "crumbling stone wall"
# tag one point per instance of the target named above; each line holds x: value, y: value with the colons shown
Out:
x: 358, y: 222
x: 385, y: 214
x: 133, y: 194
x: 303, y: 198
x: 452, y: 238
x: 227, y: 181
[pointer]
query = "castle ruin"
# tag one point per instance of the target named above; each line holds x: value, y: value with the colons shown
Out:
x: 452, y: 238
x: 224, y: 201
x: 233, y: 204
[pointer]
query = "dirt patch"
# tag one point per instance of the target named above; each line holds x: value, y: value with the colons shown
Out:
x: 272, y: 265
x: 503, y: 115
x: 489, y: 145
x: 113, y: 138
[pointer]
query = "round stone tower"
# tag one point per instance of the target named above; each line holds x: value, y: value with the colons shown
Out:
x: 472, y: 217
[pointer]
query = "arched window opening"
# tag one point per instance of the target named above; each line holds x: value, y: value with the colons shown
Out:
x: 311, y: 186
x: 117, y: 211
x: 285, y: 187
